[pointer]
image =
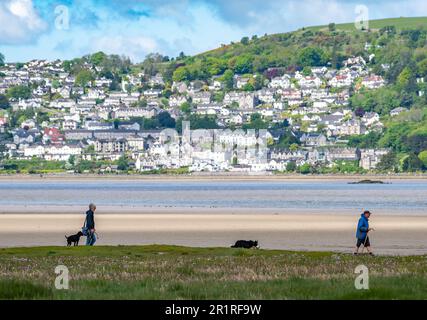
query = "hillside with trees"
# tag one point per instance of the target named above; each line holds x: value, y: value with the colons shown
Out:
x: 396, y: 49
x: 232, y: 87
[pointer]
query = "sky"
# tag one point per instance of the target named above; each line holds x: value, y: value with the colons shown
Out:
x: 66, y: 29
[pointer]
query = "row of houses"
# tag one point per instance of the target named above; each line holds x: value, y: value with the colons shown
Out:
x: 96, y: 122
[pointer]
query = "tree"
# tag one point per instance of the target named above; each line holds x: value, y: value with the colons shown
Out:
x: 412, y: 163
x: 390, y: 30
x: 19, y: 92
x: 332, y: 27
x: 367, y: 141
x: 245, y: 41
x: 4, y: 102
x: 72, y: 160
x: 423, y: 157
x: 20, y: 116
x: 199, y: 122
x: 165, y: 120
x: 306, y: 71
x: 256, y: 122
x: 291, y: 166
x: 406, y: 80
x: 311, y: 57
x: 55, y: 84
x: 382, y: 101
x: 186, y: 107
x: 287, y: 139
x: 122, y: 164
x: 248, y: 87
x: 181, y: 74
x: 98, y: 58
x: 228, y: 79
x: 389, y: 162
x: 422, y: 68
x: 294, y: 147
x: 83, y: 78
x: 304, y: 169
x: 1, y: 59
x: 241, y: 64
x: 416, y: 142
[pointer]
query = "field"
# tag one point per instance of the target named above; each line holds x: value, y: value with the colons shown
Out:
x: 399, y: 23
x: 166, y: 272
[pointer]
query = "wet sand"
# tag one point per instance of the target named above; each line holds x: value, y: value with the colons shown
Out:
x: 312, y: 231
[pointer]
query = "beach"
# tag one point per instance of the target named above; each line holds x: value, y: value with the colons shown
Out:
x: 288, y: 213
x: 319, y: 231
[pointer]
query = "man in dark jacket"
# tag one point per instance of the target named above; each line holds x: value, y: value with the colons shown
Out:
x: 90, y: 225
x: 362, y: 233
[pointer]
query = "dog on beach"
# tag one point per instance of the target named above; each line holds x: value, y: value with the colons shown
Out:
x: 246, y: 244
x: 74, y: 239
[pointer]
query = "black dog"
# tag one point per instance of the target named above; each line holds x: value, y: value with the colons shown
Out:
x: 246, y: 244
x: 74, y: 239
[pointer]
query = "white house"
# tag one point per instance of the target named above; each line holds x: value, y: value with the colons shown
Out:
x: 177, y: 100
x: 283, y: 82
x: 52, y: 153
x: 397, y: 111
x: 370, y: 158
x: 373, y: 82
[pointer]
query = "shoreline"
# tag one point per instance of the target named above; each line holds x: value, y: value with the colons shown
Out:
x: 67, y: 210
x: 213, y: 177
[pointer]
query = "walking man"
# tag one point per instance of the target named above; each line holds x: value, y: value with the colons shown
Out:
x: 362, y: 233
x: 90, y: 225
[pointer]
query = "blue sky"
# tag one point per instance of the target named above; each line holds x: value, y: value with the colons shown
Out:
x: 50, y: 29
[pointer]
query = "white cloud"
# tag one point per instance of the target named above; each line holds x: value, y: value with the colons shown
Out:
x: 19, y: 22
x: 261, y: 16
x: 135, y: 47
x: 168, y: 26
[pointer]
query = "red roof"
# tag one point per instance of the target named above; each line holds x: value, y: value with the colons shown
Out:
x: 54, y: 134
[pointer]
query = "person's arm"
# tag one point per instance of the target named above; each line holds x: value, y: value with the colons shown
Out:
x: 90, y: 221
x: 362, y: 226
x: 93, y: 220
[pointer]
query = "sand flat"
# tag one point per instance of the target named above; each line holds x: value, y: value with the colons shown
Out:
x: 395, y: 235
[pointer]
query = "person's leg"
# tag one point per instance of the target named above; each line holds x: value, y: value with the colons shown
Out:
x: 368, y: 246
x: 88, y: 239
x: 358, y: 244
x: 93, y: 239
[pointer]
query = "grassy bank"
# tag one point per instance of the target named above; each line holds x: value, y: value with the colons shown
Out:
x: 166, y: 272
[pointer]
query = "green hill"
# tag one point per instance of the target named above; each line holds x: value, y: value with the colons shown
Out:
x: 399, y: 23
x: 395, y: 49
x: 327, y: 46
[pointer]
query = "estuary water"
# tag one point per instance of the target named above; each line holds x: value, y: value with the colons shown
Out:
x: 401, y: 196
